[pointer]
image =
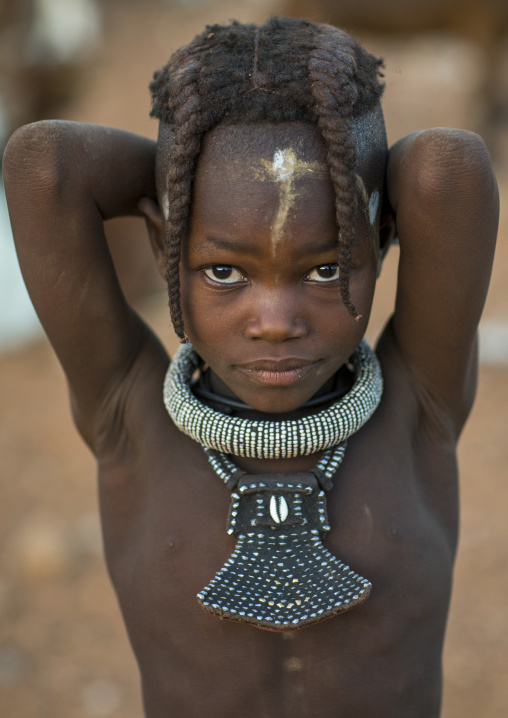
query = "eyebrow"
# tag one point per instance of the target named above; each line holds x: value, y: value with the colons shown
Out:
x: 229, y: 245
x: 241, y: 247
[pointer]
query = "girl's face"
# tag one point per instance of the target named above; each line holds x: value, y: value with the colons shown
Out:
x: 260, y: 292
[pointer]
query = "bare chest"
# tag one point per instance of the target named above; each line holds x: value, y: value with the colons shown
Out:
x: 165, y: 533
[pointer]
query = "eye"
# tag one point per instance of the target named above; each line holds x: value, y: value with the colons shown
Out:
x: 324, y: 273
x: 224, y: 274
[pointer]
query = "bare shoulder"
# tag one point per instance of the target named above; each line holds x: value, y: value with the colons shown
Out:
x: 444, y: 195
x: 63, y: 179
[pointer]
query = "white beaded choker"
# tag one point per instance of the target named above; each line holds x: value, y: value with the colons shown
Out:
x: 272, y: 439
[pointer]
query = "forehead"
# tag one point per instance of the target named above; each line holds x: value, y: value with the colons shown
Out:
x: 260, y: 155
x: 260, y: 164
x: 257, y: 142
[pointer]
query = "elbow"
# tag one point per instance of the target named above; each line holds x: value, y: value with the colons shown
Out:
x: 454, y: 165
x: 32, y: 161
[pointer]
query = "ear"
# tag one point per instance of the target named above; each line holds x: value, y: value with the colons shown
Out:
x: 387, y: 232
x: 155, y: 227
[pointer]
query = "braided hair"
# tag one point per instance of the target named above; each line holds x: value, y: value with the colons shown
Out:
x: 285, y: 70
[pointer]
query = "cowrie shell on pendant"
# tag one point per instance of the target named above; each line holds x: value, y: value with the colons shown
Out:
x: 279, y: 509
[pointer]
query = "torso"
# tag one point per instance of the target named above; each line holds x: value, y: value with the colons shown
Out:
x: 393, y: 513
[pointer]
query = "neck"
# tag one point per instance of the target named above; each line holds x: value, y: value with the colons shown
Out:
x: 211, y: 390
x: 272, y: 439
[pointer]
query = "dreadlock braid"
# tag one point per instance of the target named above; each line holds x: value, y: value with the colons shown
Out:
x: 331, y: 69
x: 184, y: 101
x: 286, y: 70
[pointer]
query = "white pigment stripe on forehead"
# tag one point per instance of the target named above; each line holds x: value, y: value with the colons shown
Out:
x: 284, y: 169
x: 283, y: 165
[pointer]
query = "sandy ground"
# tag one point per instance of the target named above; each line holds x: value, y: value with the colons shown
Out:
x: 63, y: 648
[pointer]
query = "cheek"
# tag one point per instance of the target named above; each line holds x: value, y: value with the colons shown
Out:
x: 206, y: 314
x: 363, y: 273
x: 362, y: 285
x: 362, y: 289
x: 195, y: 309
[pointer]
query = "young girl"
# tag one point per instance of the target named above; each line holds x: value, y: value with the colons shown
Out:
x: 270, y: 200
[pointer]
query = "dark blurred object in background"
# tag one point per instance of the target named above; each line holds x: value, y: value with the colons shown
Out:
x: 44, y: 47
x: 484, y: 22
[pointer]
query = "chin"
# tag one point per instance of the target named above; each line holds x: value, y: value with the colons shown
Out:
x: 276, y: 403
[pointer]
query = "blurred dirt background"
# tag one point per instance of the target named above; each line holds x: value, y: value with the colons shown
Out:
x: 63, y: 648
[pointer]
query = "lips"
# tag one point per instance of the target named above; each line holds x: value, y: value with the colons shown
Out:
x: 277, y: 372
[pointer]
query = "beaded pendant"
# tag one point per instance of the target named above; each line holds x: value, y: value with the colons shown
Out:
x: 280, y: 576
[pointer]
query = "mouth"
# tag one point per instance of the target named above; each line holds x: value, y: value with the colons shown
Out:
x: 277, y: 372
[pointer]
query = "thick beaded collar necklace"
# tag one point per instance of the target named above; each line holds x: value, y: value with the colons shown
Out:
x: 280, y: 576
x: 272, y: 439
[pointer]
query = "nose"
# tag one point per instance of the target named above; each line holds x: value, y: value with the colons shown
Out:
x: 274, y: 316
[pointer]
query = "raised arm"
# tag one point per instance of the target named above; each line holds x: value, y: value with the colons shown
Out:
x: 444, y: 194
x: 62, y: 179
